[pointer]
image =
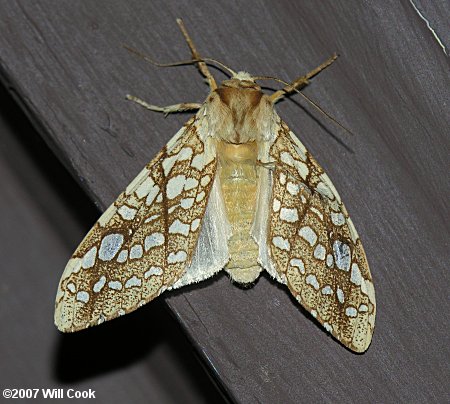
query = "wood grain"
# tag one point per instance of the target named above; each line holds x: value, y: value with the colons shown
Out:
x: 65, y: 64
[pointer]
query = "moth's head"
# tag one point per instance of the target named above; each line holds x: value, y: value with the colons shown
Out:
x: 240, y: 111
x: 242, y: 81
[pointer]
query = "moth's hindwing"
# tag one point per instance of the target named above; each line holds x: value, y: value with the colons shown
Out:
x: 315, y: 247
x: 144, y: 241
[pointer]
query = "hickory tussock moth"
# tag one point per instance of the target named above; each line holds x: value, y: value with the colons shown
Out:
x: 234, y: 189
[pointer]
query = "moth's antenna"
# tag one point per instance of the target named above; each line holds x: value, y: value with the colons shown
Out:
x: 182, y: 62
x: 320, y: 109
x: 153, y: 62
x: 220, y: 64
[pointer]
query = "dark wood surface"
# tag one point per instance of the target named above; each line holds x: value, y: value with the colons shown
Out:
x: 64, y: 63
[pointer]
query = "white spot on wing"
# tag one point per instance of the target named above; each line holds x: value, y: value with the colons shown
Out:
x: 191, y: 183
x: 175, y: 186
x: 179, y: 256
x: 355, y: 276
x: 298, y: 262
x: 110, y: 246
x: 281, y: 243
x: 133, y: 281
x: 195, y: 224
x: 329, y: 260
x: 319, y: 252
x: 312, y: 280
x: 71, y: 287
x: 338, y: 219
x: 168, y: 164
x: 198, y: 161
x: 324, y: 190
x: 301, y: 167
x: 99, y: 284
x: 187, y: 203
x: 83, y: 296
x: 151, y: 218
x: 200, y: 196
x: 136, y: 251
x: 351, y: 311
x: 126, y: 212
x: 327, y: 290
x: 292, y: 188
x: 152, y: 195
x: 308, y: 234
x: 144, y: 188
x: 341, y: 253
x: 276, y: 205
x: 89, y: 258
x: 205, y: 180
x: 115, y: 285
x: 340, y: 295
x: 289, y: 214
x: 185, y: 153
x: 153, y: 240
x: 157, y: 271
x: 122, y: 257
x: 178, y: 227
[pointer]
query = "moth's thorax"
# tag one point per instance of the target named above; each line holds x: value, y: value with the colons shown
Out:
x: 239, y: 112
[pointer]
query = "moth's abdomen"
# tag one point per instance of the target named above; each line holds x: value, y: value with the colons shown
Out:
x: 238, y: 179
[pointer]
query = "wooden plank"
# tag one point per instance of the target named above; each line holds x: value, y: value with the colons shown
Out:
x: 65, y: 63
x: 41, y: 221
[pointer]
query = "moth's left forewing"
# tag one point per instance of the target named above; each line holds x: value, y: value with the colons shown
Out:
x: 314, y: 246
x: 145, y: 242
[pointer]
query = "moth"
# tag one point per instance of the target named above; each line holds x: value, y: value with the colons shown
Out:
x: 233, y: 190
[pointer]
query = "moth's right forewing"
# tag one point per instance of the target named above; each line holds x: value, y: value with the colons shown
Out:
x: 144, y: 241
x: 314, y: 247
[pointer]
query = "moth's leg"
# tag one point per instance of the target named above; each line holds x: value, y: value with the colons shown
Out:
x: 195, y: 55
x: 185, y: 106
x: 302, y: 81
